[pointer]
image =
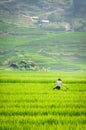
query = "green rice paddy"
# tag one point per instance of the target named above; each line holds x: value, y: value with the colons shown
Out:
x: 28, y: 101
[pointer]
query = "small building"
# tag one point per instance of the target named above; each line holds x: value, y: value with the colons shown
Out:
x: 45, y: 21
x: 35, y: 19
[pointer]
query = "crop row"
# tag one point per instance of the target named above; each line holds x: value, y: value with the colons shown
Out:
x: 43, y: 111
x: 35, y: 105
x: 36, y: 80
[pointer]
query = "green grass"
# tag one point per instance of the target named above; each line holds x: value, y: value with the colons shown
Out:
x: 55, y: 51
x: 28, y: 101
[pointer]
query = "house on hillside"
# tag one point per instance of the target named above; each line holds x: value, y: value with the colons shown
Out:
x: 45, y: 21
x: 35, y: 19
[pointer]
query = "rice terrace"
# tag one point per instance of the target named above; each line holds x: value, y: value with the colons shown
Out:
x: 42, y: 45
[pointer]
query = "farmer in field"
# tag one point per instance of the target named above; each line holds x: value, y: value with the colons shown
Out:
x: 59, y: 84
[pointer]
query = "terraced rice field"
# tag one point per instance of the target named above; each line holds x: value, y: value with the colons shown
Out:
x: 28, y: 101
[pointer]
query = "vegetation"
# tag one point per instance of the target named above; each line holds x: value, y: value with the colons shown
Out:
x: 61, y: 51
x: 47, y: 45
x: 67, y: 11
x: 33, y: 55
x: 28, y: 101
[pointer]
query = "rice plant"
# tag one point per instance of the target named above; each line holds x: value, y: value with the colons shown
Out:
x: 28, y: 101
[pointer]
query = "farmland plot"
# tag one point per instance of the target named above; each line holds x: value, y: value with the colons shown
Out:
x: 28, y: 101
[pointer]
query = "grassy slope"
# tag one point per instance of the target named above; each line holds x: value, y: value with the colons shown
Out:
x: 55, y: 51
x: 20, y: 40
x: 17, y: 13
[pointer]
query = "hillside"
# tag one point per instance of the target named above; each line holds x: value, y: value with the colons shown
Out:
x: 62, y: 51
x: 60, y: 13
x: 42, y: 35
